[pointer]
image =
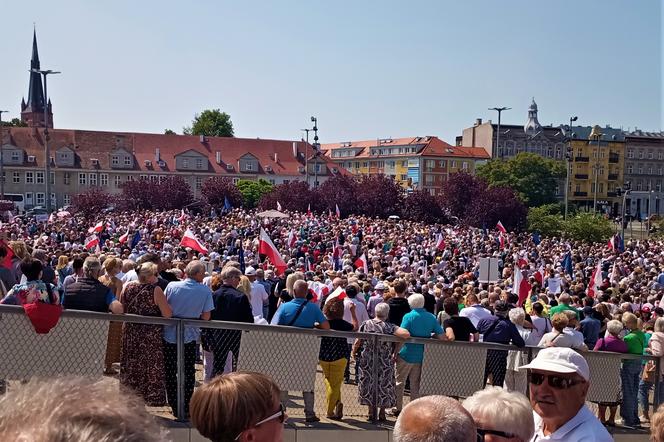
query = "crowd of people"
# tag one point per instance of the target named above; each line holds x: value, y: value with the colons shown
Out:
x: 398, y: 278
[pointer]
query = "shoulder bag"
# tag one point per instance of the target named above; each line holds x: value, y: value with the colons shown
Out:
x: 297, y: 314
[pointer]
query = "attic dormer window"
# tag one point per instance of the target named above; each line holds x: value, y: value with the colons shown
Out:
x: 15, y: 156
x: 115, y: 160
x: 127, y: 160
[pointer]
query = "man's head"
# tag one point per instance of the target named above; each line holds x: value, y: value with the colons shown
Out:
x: 250, y: 273
x: 230, y: 276
x: 564, y: 299
x: 91, y: 267
x: 559, y: 380
x: 300, y: 289
x: 434, y: 419
x: 195, y: 270
x: 501, y: 308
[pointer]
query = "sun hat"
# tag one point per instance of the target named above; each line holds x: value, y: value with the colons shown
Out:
x: 560, y: 360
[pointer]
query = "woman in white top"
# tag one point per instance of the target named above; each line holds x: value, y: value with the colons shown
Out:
x: 541, y: 324
x: 558, y: 337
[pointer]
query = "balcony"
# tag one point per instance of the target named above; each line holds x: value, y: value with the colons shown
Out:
x: 582, y: 159
x: 580, y: 193
x: 614, y: 158
x: 581, y: 176
x: 613, y: 176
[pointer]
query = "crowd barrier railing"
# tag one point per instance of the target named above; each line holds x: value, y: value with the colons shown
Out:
x: 78, y: 346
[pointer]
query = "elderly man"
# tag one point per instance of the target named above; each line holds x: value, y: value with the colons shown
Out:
x: 559, y: 381
x: 87, y: 293
x: 421, y: 324
x: 474, y: 310
x: 259, y: 296
x: 564, y: 302
x: 435, y: 419
x: 189, y: 299
x: 301, y: 313
x: 375, y: 299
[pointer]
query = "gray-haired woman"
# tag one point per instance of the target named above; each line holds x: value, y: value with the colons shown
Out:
x: 365, y: 351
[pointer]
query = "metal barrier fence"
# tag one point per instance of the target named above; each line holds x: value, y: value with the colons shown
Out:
x: 78, y: 346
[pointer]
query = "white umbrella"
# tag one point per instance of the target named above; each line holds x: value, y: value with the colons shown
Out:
x: 272, y: 214
x: 63, y: 214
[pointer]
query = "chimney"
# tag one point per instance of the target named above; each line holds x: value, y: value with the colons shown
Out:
x: 276, y: 158
x: 157, y: 157
x: 478, y: 121
x: 295, y: 149
x: 218, y: 157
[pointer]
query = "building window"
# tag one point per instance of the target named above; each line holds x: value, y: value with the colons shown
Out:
x: 272, y: 181
x: 162, y: 178
x: 235, y: 180
x: 638, y: 185
x: 578, y: 188
x: 127, y: 160
x: 199, y: 182
x: 143, y: 177
x: 600, y: 188
x: 601, y: 171
x: 28, y: 198
x: 15, y: 157
x: 40, y: 177
x: 185, y: 163
x: 129, y: 178
x: 93, y: 179
x: 115, y: 160
x: 16, y: 177
x: 660, y: 155
x: 199, y: 163
x: 365, y: 164
x: 82, y: 177
x: 660, y: 171
x: 640, y: 154
x: 286, y: 181
x: 650, y: 170
x: 66, y: 178
x: 454, y: 164
x: 29, y: 178
x: 630, y: 169
x: 66, y: 198
x: 319, y: 167
x: 464, y: 165
x: 118, y: 180
x: 441, y: 163
x: 103, y: 180
x: 404, y: 177
x: 248, y: 167
x: 52, y: 175
x: 154, y: 178
x: 429, y: 179
x: 640, y: 169
x: 651, y: 155
x: 630, y: 154
x: 357, y: 164
x: 40, y: 199
x: 54, y: 200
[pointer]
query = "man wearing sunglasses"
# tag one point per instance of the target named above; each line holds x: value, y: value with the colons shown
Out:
x: 559, y: 381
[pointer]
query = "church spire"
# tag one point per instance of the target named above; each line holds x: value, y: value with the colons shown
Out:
x: 532, y: 126
x: 32, y: 110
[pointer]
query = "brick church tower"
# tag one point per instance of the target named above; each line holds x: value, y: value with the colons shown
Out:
x: 32, y: 112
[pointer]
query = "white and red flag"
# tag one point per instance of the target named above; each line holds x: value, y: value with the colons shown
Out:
x: 595, y: 281
x: 500, y: 227
x: 278, y: 206
x: 190, y: 240
x: 521, y: 286
x: 292, y: 237
x: 309, y: 210
x: 266, y: 247
x: 123, y: 238
x: 97, y: 228
x: 338, y: 293
x: 183, y: 216
x: 338, y: 212
x: 91, y: 242
x: 336, y: 253
x: 362, y: 262
x: 539, y: 276
x: 440, y: 242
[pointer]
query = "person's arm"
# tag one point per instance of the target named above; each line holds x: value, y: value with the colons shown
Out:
x: 114, y: 306
x: 160, y: 300
x: 205, y: 316
x: 516, y: 337
x: 656, y: 348
x: 402, y: 333
x: 209, y: 306
x: 323, y: 325
x: 449, y: 332
x: 439, y: 333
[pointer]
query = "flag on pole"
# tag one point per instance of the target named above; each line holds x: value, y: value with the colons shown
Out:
x: 522, y: 261
x: 615, y: 273
x: 291, y: 239
x: 567, y: 263
x: 135, y: 239
x: 123, y: 239
x: 595, y: 281
x: 440, y: 242
x: 539, y: 275
x: 278, y: 206
x: 309, y: 210
x: 97, y: 228
x: 338, y: 212
x: 612, y: 243
x: 521, y: 286
x: 190, y: 240
x: 501, y: 240
x: 362, y: 262
x: 266, y: 247
x: 91, y: 242
x: 183, y: 215
x: 500, y: 227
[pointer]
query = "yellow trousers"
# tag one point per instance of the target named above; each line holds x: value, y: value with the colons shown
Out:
x: 334, y: 378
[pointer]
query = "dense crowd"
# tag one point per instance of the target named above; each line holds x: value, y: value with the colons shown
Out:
x: 391, y: 277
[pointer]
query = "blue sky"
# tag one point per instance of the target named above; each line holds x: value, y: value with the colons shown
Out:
x: 366, y: 69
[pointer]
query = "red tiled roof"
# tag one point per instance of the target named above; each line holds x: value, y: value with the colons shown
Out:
x: 433, y: 146
x: 89, y: 145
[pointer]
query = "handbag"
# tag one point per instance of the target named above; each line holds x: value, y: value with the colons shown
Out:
x: 649, y: 371
x: 43, y: 316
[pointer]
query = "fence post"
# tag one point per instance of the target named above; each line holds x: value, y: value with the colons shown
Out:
x: 179, y: 336
x: 658, y: 384
x: 374, y: 369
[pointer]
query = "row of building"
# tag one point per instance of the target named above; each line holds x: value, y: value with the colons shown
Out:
x: 80, y: 159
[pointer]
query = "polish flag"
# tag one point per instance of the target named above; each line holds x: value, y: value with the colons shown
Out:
x: 291, y: 239
x: 338, y: 211
x: 539, y: 275
x: 97, y: 228
x: 267, y: 248
x: 501, y: 238
x: 278, y: 206
x: 183, y: 216
x: 189, y: 240
x: 309, y: 210
x: 440, y: 242
x: 338, y: 293
x: 595, y: 281
x: 522, y: 262
x: 337, y: 250
x: 521, y: 286
x: 91, y: 242
x: 362, y: 262
x: 500, y: 227
x: 123, y: 238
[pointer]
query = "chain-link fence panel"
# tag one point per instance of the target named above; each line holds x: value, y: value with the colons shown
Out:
x: 452, y: 370
x: 604, y: 378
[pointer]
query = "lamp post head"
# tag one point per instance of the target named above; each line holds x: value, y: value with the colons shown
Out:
x: 596, y: 132
x: 573, y: 118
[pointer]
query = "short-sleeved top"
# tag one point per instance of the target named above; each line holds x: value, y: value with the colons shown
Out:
x: 462, y: 327
x: 561, y: 308
x: 636, y: 342
x: 189, y: 300
x: 421, y: 324
x: 398, y: 309
x: 333, y: 349
x: 310, y: 315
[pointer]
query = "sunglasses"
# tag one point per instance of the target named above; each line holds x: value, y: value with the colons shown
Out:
x: 481, y: 433
x: 557, y: 382
x: 281, y: 415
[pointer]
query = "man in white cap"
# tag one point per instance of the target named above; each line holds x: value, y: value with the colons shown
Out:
x: 559, y: 381
x: 375, y: 299
x: 259, y: 297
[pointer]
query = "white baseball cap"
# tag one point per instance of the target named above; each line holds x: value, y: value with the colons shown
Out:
x: 250, y: 271
x: 560, y: 360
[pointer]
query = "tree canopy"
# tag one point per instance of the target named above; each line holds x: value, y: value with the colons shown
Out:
x: 532, y: 177
x: 15, y: 122
x: 211, y: 123
x: 252, y: 191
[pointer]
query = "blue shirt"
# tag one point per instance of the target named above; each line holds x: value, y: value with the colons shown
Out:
x: 590, y: 328
x: 421, y: 324
x: 310, y: 314
x: 503, y: 333
x: 188, y: 300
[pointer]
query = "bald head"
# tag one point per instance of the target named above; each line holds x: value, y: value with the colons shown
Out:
x: 300, y: 289
x: 435, y: 419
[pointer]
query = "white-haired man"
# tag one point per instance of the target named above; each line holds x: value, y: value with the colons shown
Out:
x: 559, y: 381
x: 434, y: 419
x: 420, y: 324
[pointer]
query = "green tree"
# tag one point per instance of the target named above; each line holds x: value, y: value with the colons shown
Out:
x: 169, y: 132
x: 211, y: 123
x: 252, y: 191
x: 545, y: 220
x: 15, y: 122
x: 533, y: 177
x: 588, y: 227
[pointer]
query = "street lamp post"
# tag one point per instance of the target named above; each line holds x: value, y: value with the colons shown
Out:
x: 500, y: 111
x: 2, y: 161
x: 306, y: 157
x: 596, y: 133
x: 315, y: 146
x: 649, y: 211
x: 568, y: 157
x: 626, y: 191
x: 47, y: 151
